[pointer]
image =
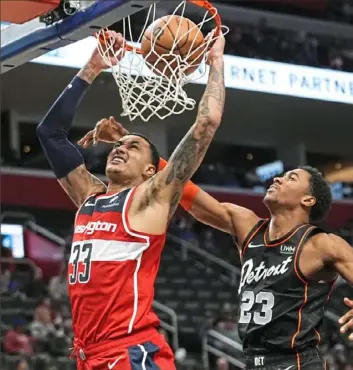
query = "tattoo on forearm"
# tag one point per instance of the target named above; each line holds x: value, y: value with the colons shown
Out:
x: 174, y: 203
x: 88, y: 73
x: 193, y: 148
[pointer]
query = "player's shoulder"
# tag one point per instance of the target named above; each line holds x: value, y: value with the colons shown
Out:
x: 243, y: 220
x: 324, y: 239
x: 329, y: 244
x: 241, y: 213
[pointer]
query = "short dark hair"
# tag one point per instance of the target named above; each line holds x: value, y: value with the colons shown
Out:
x: 154, y: 151
x: 320, y: 189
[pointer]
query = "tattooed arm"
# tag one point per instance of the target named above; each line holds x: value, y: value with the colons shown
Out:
x: 65, y: 160
x: 166, y: 186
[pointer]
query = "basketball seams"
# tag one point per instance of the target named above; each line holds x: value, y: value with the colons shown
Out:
x: 167, y: 45
x: 174, y: 36
x: 187, y: 39
x: 155, y: 43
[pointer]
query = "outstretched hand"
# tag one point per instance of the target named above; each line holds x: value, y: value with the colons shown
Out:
x: 106, y: 131
x: 347, y: 320
x: 113, y: 45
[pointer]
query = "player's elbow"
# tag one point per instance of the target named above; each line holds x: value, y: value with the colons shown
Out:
x: 215, y: 119
x: 42, y: 132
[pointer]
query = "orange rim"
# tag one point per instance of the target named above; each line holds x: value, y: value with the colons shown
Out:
x: 201, y: 3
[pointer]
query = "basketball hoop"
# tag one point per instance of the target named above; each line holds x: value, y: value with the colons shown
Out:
x: 145, y: 93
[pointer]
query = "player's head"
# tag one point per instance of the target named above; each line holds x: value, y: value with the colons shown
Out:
x: 303, y: 188
x: 133, y: 159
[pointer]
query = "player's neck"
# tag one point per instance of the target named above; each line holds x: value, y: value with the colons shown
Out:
x: 283, y: 222
x: 117, y: 188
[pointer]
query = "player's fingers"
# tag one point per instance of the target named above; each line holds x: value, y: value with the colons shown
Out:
x: 346, y: 317
x: 87, y: 137
x: 347, y: 326
x: 122, y: 130
x: 348, y: 302
x: 96, y: 134
x: 87, y: 143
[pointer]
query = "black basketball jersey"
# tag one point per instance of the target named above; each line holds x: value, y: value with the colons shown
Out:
x: 280, y: 311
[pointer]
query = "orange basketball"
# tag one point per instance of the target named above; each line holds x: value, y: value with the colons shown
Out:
x: 169, y: 36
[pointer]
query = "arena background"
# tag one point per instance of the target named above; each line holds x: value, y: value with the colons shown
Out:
x: 261, y: 135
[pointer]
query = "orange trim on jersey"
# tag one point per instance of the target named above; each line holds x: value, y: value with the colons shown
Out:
x: 331, y: 290
x: 318, y: 336
x: 306, y: 286
x: 301, y: 278
x: 298, y: 361
x: 281, y: 241
x: 252, y: 235
x: 300, y: 315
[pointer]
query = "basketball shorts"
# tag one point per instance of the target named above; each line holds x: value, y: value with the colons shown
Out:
x: 306, y: 360
x: 154, y: 354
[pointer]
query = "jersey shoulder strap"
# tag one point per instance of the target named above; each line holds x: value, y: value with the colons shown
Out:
x: 260, y: 225
x: 303, y: 236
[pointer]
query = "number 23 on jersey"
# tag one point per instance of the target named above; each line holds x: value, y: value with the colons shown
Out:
x: 261, y: 316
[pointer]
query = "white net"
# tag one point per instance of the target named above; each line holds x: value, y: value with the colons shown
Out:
x: 146, y: 89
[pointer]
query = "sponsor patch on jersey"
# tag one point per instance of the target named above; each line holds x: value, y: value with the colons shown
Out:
x: 261, y: 272
x: 287, y: 249
x: 92, y: 226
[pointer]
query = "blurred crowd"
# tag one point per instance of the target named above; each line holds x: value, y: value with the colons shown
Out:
x: 294, y: 47
x: 332, y: 10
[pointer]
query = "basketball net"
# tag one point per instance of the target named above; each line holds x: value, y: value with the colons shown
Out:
x: 145, y: 92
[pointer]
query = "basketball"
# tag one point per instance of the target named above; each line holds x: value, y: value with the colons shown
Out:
x: 168, y: 37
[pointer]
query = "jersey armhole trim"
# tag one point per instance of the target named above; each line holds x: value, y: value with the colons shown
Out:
x: 259, y: 224
x: 127, y: 225
x: 97, y: 193
x: 297, y: 270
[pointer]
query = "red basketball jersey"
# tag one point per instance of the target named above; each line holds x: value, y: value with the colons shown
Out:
x: 112, y: 271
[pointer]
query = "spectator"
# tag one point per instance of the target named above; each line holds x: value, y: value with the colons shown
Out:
x: 36, y: 288
x: 222, y: 364
x: 186, y: 231
x: 42, y: 327
x: 5, y: 277
x: 58, y: 285
x: 207, y: 240
x: 16, y: 342
x: 21, y: 364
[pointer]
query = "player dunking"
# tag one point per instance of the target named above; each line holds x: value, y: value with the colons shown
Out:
x: 289, y: 266
x: 120, y: 230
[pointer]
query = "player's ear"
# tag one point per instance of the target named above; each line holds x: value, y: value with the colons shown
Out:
x: 308, y: 201
x: 150, y: 170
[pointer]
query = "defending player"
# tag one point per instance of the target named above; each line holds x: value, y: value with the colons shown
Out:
x: 115, y: 253
x: 289, y: 265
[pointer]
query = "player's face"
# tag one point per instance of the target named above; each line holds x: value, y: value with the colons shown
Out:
x: 130, y: 160
x: 291, y: 190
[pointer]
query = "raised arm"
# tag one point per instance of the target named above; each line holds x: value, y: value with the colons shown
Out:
x: 167, y: 185
x: 339, y: 255
x: 64, y: 159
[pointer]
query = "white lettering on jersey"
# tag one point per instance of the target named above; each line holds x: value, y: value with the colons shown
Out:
x: 287, y: 249
x: 92, y: 226
x: 249, y: 274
